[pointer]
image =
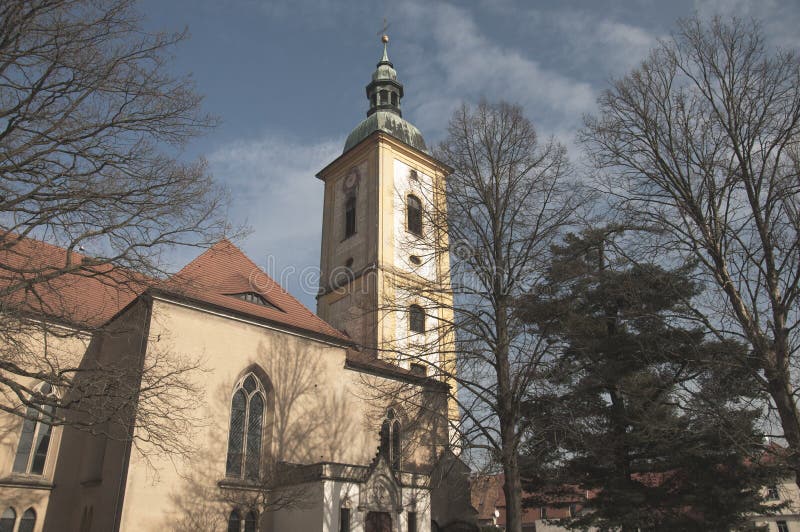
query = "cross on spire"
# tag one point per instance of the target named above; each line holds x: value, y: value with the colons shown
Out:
x: 382, y: 31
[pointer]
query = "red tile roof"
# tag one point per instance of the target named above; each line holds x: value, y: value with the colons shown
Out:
x: 224, y: 270
x: 89, y: 296
x: 48, y: 281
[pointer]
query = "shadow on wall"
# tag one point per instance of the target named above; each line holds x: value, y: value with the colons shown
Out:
x: 304, y: 421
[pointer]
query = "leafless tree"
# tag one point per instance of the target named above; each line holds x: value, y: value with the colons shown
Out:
x: 507, y: 200
x: 699, y: 145
x: 91, y: 129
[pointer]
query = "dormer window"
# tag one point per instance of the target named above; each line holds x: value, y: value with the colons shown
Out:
x: 256, y: 299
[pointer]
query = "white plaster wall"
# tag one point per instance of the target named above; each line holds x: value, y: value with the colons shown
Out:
x: 405, y: 243
x: 342, y: 495
x: 420, y: 347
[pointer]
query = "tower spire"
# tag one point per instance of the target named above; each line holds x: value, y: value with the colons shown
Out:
x: 384, y: 91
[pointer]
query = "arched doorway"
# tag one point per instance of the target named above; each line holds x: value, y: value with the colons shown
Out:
x: 379, y: 522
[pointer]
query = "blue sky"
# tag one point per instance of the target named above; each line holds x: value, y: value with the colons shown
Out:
x: 287, y: 80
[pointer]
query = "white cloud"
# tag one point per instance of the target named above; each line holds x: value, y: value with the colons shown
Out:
x: 274, y: 191
x: 455, y: 60
x: 780, y: 18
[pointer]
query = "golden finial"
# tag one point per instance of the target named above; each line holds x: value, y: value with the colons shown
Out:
x: 385, y: 38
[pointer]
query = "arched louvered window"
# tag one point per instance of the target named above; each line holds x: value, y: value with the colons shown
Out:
x: 250, y: 522
x: 391, y: 439
x: 414, y: 215
x: 34, y: 441
x: 246, y: 429
x: 28, y: 521
x: 234, y: 521
x: 350, y: 217
x: 8, y: 520
x: 416, y: 319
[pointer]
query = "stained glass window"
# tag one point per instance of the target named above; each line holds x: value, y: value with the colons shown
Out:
x: 8, y: 520
x: 28, y: 521
x: 234, y: 521
x: 245, y: 437
x: 34, y: 440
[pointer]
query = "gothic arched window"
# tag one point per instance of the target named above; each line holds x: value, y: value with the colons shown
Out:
x: 391, y: 439
x: 234, y: 521
x: 28, y: 521
x: 246, y: 429
x: 34, y: 441
x: 8, y: 520
x: 414, y: 215
x: 250, y: 522
x: 416, y: 319
x: 350, y: 217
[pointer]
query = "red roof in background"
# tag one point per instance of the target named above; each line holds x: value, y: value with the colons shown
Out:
x: 224, y: 270
x: 90, y: 296
x: 487, y: 495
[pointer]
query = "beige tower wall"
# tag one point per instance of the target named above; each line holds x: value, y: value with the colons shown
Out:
x: 372, y: 307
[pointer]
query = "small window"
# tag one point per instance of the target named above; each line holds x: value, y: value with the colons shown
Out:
x: 344, y: 520
x: 28, y: 521
x: 86, y: 518
x: 234, y: 522
x: 396, y: 445
x: 543, y: 512
x: 394, y: 98
x: 573, y: 510
x: 254, y: 298
x: 415, y: 260
x: 414, y: 215
x: 418, y: 369
x: 384, y: 97
x: 413, y: 175
x: 416, y: 319
x: 782, y: 526
x: 8, y: 520
x: 391, y: 440
x: 772, y: 493
x: 412, y: 521
x: 250, y: 522
x: 350, y: 217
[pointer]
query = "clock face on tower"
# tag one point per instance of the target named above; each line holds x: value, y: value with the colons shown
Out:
x: 352, y: 179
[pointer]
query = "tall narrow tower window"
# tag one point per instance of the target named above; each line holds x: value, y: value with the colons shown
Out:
x: 414, y: 215
x: 350, y: 217
x: 416, y: 319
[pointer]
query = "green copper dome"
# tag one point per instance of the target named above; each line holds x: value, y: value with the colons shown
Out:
x: 384, y: 94
x: 390, y: 123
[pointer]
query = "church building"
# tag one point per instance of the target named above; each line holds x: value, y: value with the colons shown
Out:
x: 286, y: 420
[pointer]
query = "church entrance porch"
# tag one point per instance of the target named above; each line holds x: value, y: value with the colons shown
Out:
x: 378, y: 522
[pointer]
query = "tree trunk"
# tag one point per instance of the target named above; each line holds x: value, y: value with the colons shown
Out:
x: 512, y: 488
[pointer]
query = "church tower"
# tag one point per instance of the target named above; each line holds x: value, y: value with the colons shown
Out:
x: 384, y: 262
